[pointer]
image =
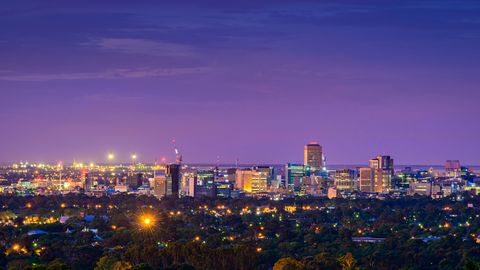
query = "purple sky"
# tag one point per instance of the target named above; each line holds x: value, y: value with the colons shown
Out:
x: 237, y: 80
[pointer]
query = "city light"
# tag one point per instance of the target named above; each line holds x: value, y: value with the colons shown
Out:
x: 311, y: 135
x: 146, y: 220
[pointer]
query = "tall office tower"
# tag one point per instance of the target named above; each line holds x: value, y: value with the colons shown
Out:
x: 313, y: 156
x: 173, y: 179
x: 345, y: 180
x: 382, y: 173
x: 191, y: 186
x: 159, y: 183
x: 205, y: 184
x: 260, y: 179
x: 296, y: 175
x: 243, y: 179
x: 365, y: 181
x: 453, y: 168
x: 187, y: 182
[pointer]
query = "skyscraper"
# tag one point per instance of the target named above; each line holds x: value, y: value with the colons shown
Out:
x: 382, y: 173
x: 296, y: 175
x: 205, y: 184
x: 160, y: 183
x: 365, y: 181
x: 260, y: 179
x: 313, y: 156
x: 173, y: 179
x: 243, y: 179
x: 345, y: 180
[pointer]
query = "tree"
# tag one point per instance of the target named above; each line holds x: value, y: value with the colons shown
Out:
x: 471, y: 265
x: 142, y: 266
x: 323, y: 261
x: 106, y: 263
x: 57, y: 264
x: 288, y: 263
x: 120, y: 265
x: 347, y: 261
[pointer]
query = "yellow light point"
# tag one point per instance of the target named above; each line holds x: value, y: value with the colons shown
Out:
x: 111, y: 156
x: 146, y: 221
x: 259, y: 249
x: 114, y: 227
x: 29, y: 205
x: 134, y: 156
x: 62, y: 205
x: 16, y: 247
x: 92, y: 164
x: 197, y: 238
x: 446, y: 225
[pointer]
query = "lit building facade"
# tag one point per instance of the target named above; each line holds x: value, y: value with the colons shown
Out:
x: 453, y: 168
x: 243, y: 179
x: 205, y: 184
x: 160, y: 183
x: 313, y: 156
x: 345, y: 180
x: 261, y: 178
x: 365, y: 179
x: 382, y: 173
x: 296, y: 175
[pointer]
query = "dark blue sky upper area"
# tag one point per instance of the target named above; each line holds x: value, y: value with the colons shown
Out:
x: 253, y: 80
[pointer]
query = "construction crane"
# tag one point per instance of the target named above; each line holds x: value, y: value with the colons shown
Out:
x: 178, y: 156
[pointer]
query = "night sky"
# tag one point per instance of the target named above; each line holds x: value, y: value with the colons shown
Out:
x: 253, y: 80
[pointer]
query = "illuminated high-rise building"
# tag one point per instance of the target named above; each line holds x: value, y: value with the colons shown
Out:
x: 296, y: 175
x: 313, y: 156
x: 160, y: 183
x: 365, y: 180
x: 243, y: 179
x: 260, y: 179
x: 205, y: 184
x: 382, y: 173
x: 345, y: 180
x: 187, y: 182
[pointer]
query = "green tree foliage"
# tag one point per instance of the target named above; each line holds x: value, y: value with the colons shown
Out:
x: 288, y: 264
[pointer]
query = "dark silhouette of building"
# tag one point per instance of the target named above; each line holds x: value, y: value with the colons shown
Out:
x: 173, y: 179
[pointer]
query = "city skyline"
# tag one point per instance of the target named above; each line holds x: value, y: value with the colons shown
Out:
x: 247, y: 81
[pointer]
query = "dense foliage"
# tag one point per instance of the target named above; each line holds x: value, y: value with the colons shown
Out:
x: 131, y: 232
